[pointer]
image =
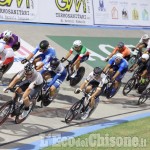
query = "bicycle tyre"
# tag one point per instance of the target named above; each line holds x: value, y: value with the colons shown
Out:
x: 130, y: 84
x: 80, y: 73
x: 18, y: 118
x: 72, y: 113
x: 45, y: 102
x: 142, y: 87
x: 7, y: 104
x: 132, y: 61
x: 144, y: 96
x: 108, y: 93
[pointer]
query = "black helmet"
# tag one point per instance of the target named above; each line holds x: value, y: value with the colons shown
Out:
x: 120, y: 44
x: 29, y: 68
x: 54, y: 63
x: 97, y: 71
x: 44, y: 45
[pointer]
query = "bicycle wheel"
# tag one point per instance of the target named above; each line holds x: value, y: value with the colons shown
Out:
x: 19, y: 117
x: 129, y: 86
x: 109, y: 93
x: 142, y: 87
x: 80, y: 73
x: 95, y: 106
x: 45, y: 101
x: 132, y: 61
x: 5, y: 111
x: 144, y: 96
x: 73, y: 111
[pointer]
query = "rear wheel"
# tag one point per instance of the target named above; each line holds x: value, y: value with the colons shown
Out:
x: 5, y: 110
x: 144, y: 96
x: 73, y: 111
x: 142, y: 87
x: 80, y: 73
x: 129, y: 86
x: 110, y: 93
x: 132, y: 61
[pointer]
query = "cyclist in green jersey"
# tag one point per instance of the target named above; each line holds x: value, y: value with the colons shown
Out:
x: 81, y: 56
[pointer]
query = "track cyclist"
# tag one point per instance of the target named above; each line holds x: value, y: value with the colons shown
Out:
x: 81, y: 56
x: 47, y: 54
x: 31, y: 86
x: 144, y: 42
x: 144, y: 64
x: 6, y: 57
x: 11, y: 39
x: 57, y: 72
x: 121, y: 48
x: 117, y: 67
x: 95, y: 79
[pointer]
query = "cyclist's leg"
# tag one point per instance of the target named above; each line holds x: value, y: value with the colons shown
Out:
x: 93, y: 84
x: 16, y: 46
x: 83, y: 59
x: 57, y: 83
x: 38, y: 58
x: 7, y: 64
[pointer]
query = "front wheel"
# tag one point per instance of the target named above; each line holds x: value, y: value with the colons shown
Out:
x: 23, y: 114
x: 73, y: 111
x: 144, y: 96
x: 5, y: 111
x: 129, y: 86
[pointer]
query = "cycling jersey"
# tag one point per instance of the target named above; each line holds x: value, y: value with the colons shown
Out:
x: 58, y: 75
x: 121, y: 67
x: 6, y: 56
x: 147, y: 43
x: 100, y: 79
x: 35, y: 79
x: 81, y: 53
x: 144, y: 65
x: 47, y: 55
x: 12, y: 41
x: 125, y: 51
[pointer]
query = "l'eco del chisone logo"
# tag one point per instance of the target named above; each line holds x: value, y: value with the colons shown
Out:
x: 18, y: 3
x: 67, y: 5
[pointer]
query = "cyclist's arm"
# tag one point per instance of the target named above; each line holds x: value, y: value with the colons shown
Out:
x: 54, y: 79
x: 111, y: 61
x: 84, y: 84
x: 15, y: 80
x: 106, y: 67
x: 144, y: 73
x: 69, y: 53
x: 115, y: 75
x: 33, y: 53
x: 113, y: 52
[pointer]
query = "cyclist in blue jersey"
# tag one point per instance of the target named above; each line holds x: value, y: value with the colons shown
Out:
x: 58, y: 73
x: 47, y: 53
x: 116, y: 67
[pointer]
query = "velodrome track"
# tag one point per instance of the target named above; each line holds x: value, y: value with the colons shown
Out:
x: 44, y: 121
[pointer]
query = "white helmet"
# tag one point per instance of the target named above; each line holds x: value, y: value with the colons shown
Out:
x: 77, y: 43
x: 145, y: 37
x: 119, y: 55
x: 7, y: 34
x: 145, y: 56
x: 2, y: 46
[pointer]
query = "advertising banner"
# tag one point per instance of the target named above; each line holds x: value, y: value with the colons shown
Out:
x: 19, y: 10
x: 122, y: 12
x: 48, y: 11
